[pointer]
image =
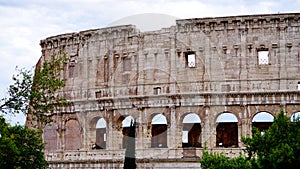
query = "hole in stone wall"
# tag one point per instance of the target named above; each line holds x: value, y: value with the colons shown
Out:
x: 190, y: 58
x: 191, y: 134
x: 295, y: 117
x: 262, y: 121
x: 263, y: 57
x: 100, y: 134
x: 125, y: 130
x: 126, y: 64
x: 159, y: 131
x: 227, y: 130
x: 157, y: 90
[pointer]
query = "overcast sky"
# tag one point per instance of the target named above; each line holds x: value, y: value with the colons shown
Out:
x: 24, y: 23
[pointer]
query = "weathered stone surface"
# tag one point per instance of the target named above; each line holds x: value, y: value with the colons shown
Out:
x: 119, y: 71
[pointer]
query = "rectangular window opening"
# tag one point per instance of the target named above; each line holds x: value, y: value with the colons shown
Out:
x: 190, y: 57
x: 157, y: 90
x: 98, y: 94
x: 298, y: 85
x: 263, y: 57
x: 126, y: 64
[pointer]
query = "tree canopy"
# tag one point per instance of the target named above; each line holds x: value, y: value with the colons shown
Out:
x: 35, y: 95
x: 277, y: 147
x: 20, y: 147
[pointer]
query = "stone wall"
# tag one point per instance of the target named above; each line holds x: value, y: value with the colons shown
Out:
x: 239, y: 65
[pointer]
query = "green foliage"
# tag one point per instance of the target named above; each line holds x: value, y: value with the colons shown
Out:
x: 129, y: 162
x: 220, y: 161
x: 36, y: 95
x: 278, y: 147
x: 20, y: 147
x: 19, y: 93
x: 47, y: 81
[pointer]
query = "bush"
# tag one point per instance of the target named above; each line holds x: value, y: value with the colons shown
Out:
x: 220, y: 161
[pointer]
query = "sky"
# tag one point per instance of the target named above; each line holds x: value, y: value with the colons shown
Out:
x: 24, y: 23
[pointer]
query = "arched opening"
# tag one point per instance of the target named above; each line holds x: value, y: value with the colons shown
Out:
x: 100, y: 134
x: 295, y: 117
x: 262, y: 121
x: 73, y: 135
x: 227, y: 130
x: 125, y: 129
x: 50, y: 136
x: 191, y: 132
x: 159, y: 131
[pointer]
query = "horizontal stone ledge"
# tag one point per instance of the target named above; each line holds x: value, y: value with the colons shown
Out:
x: 138, y: 160
x: 192, y: 94
x: 241, y: 19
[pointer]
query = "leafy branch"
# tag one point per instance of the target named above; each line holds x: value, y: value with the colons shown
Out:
x: 37, y: 95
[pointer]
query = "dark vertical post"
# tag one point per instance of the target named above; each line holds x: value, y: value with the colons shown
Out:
x: 129, y: 162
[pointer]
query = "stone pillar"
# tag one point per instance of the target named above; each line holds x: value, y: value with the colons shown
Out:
x: 145, y: 137
x: 209, y: 131
x: 140, y: 125
x: 62, y: 131
x: 82, y: 121
x: 202, y: 136
x: 245, y: 126
x: 178, y: 129
x: 240, y: 132
x: 173, y: 137
x: 110, y: 131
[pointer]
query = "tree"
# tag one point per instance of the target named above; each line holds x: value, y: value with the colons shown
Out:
x: 47, y: 81
x: 129, y: 162
x: 20, y: 147
x: 278, y: 147
x: 18, y: 97
x: 36, y: 96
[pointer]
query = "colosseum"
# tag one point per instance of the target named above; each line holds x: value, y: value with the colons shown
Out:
x: 202, y: 81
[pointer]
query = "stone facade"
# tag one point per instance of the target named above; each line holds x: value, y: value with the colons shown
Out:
x: 200, y: 81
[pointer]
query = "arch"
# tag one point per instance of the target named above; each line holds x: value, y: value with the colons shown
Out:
x: 125, y: 129
x: 100, y: 134
x: 95, y: 120
x: 119, y: 122
x: 123, y: 119
x: 191, y: 118
x: 191, y: 131
x: 159, y: 119
x: 263, y: 117
x: 72, y: 135
x: 226, y: 117
x: 101, y: 123
x: 159, y: 131
x: 126, y: 122
x: 227, y: 130
x: 50, y: 136
x: 262, y: 120
x: 295, y: 117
